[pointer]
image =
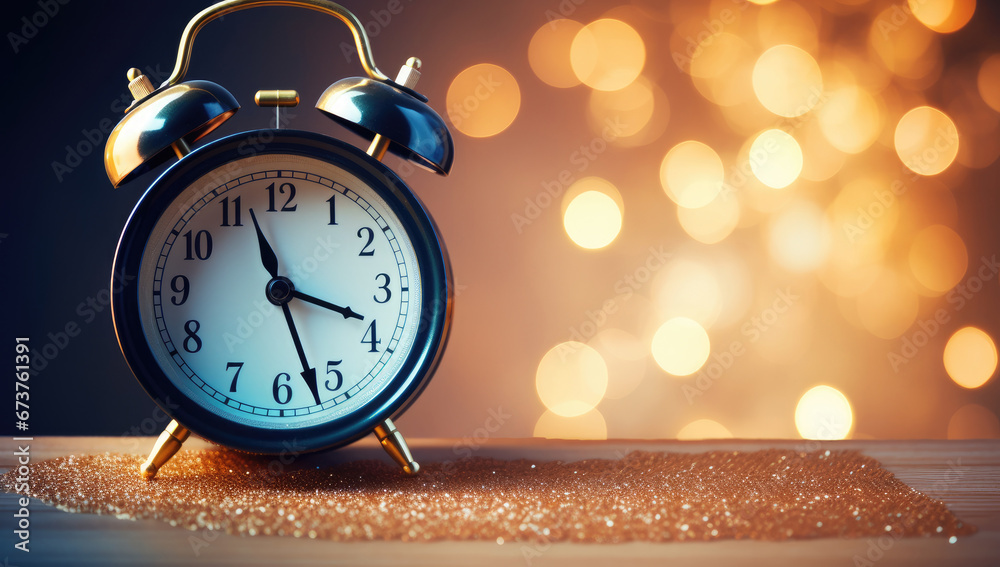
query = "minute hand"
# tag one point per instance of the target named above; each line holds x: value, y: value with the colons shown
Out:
x: 347, y: 312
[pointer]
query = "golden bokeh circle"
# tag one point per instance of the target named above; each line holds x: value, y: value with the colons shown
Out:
x: 970, y: 357
x: 548, y: 53
x: 607, y: 54
x: 799, y: 237
x: 973, y: 421
x: 592, y: 220
x: 713, y: 222
x: 680, y: 346
x: 888, y: 306
x: 850, y: 119
x: 787, y: 81
x: 691, y: 174
x: 703, y: 429
x: 589, y: 426
x: 824, y: 413
x: 926, y: 140
x: 988, y: 81
x: 483, y: 100
x: 571, y: 379
x: 775, y: 158
x: 938, y: 258
x: 943, y: 16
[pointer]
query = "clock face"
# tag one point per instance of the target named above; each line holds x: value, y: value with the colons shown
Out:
x: 284, y: 290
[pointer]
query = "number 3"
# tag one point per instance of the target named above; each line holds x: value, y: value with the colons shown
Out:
x: 384, y: 287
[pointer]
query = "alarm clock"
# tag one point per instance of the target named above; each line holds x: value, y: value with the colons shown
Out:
x: 288, y: 289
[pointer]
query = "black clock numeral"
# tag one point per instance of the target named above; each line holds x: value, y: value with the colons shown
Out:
x: 238, y: 366
x: 237, y: 212
x: 280, y: 390
x: 374, y: 340
x: 288, y: 206
x: 371, y: 238
x: 191, y: 328
x: 181, y: 285
x: 340, y: 377
x: 384, y: 287
x: 333, y: 210
x: 199, y: 246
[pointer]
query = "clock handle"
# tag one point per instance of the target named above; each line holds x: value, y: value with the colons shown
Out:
x: 229, y: 6
x: 166, y: 446
x: 394, y: 444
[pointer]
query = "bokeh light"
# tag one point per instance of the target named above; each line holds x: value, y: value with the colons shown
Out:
x: 680, y: 346
x: 820, y: 159
x: 713, y: 222
x: 590, y: 425
x: 548, y: 52
x: 799, y: 237
x: 943, y: 16
x: 593, y: 213
x: 970, y: 357
x: 824, y: 413
x: 775, y: 158
x: 691, y: 174
x: 607, y: 54
x: 787, y: 81
x: 686, y: 287
x: 850, y: 119
x: 703, y: 429
x: 973, y: 421
x: 483, y: 100
x: 988, y: 81
x: 888, y: 306
x: 938, y: 258
x: 788, y: 23
x: 628, y: 110
x: 926, y: 140
x: 905, y: 46
x: 722, y: 68
x: 571, y: 379
x: 626, y: 357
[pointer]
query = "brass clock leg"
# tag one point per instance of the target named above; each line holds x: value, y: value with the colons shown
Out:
x: 169, y: 442
x: 394, y: 444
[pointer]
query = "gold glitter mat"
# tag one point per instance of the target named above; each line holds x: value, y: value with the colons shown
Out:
x: 652, y: 497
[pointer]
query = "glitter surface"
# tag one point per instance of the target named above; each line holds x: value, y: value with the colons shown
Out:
x: 653, y: 497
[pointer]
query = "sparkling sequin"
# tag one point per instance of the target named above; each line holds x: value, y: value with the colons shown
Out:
x: 769, y: 495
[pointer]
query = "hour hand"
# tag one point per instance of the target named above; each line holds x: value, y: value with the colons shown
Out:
x: 267, y: 256
x: 347, y: 312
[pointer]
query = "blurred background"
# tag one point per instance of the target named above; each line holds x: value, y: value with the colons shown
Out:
x: 666, y: 219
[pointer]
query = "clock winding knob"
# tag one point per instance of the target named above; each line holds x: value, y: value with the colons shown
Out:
x: 138, y: 84
x: 409, y: 73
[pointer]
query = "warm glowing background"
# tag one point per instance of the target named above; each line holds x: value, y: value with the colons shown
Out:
x: 666, y: 219
x: 724, y: 219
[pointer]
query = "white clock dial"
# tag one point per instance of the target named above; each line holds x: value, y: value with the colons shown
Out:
x: 205, y: 310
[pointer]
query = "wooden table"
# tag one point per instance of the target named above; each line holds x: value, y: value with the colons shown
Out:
x: 963, y: 474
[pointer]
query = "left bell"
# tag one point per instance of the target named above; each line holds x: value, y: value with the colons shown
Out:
x: 163, y: 123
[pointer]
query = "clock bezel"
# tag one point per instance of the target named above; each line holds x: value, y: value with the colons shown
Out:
x: 432, y: 259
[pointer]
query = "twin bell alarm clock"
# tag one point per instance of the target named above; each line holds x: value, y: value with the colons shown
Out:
x: 287, y: 286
